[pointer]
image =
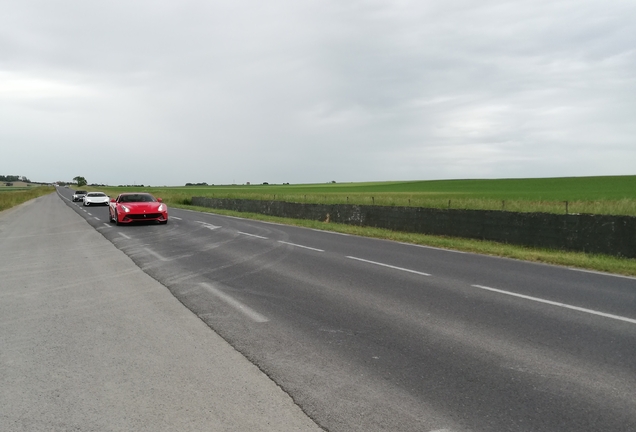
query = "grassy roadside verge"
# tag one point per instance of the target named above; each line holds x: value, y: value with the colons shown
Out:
x: 594, y: 262
x: 12, y: 198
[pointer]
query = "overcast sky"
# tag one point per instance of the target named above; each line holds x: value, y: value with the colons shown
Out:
x: 306, y: 91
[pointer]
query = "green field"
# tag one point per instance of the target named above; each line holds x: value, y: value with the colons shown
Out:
x: 597, y: 195
x: 13, y: 196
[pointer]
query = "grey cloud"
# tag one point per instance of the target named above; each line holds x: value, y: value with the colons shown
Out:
x: 314, y: 91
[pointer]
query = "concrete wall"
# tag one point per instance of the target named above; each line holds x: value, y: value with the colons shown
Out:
x: 611, y: 235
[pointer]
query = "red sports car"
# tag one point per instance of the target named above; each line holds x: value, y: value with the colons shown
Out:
x: 137, y: 207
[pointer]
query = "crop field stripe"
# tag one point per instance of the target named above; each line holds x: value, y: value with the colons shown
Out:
x: 615, y: 195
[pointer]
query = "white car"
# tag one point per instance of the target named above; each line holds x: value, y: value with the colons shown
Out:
x: 96, y: 198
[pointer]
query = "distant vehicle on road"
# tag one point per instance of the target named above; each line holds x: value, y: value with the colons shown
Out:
x: 96, y: 198
x: 78, y: 195
x: 137, y: 207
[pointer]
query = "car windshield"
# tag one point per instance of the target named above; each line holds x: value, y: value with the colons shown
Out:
x: 96, y: 194
x: 137, y: 198
x: 80, y: 192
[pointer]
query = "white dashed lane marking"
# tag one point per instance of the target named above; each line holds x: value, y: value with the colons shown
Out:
x: 250, y: 313
x: 562, y: 305
x: 389, y: 266
x: 208, y: 225
x: 252, y: 235
x: 156, y: 255
x: 300, y: 246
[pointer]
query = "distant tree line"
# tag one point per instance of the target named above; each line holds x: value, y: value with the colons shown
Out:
x: 197, y: 184
x: 14, y: 178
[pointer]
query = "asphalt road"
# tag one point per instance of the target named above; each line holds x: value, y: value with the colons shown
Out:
x: 89, y: 342
x: 369, y: 335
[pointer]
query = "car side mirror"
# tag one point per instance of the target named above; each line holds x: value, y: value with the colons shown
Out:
x: 159, y: 199
x: 112, y: 200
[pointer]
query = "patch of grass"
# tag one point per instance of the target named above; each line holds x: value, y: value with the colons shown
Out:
x: 13, y: 189
x: 12, y: 198
x: 614, y: 195
x: 595, y: 262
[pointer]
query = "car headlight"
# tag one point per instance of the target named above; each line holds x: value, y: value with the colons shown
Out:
x: 161, y: 208
x: 126, y: 209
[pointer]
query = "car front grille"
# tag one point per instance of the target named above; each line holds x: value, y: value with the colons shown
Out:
x: 145, y: 216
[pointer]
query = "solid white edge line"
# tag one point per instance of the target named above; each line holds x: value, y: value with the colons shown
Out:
x: 389, y: 266
x: 271, y: 223
x: 432, y: 247
x: 252, y: 235
x: 563, y: 305
x: 250, y: 313
x: 329, y: 232
x: 234, y: 217
x: 208, y: 225
x: 601, y: 273
x: 300, y: 246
